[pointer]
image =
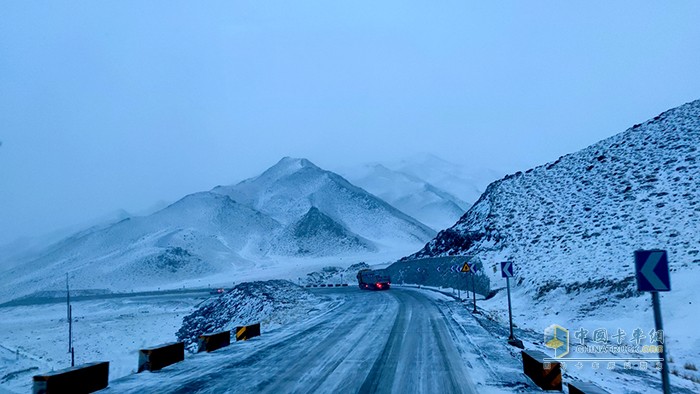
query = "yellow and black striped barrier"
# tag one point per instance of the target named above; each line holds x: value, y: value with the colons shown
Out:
x: 243, y: 333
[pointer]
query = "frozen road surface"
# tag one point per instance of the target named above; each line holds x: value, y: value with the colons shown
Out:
x: 396, y: 341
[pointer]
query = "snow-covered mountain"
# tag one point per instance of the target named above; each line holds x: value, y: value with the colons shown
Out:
x: 571, y: 226
x: 467, y: 183
x: 427, y: 203
x: 31, y: 247
x: 294, y: 209
x: 202, y: 233
x: 291, y: 188
x: 428, y: 188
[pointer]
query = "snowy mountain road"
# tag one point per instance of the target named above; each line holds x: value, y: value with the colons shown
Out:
x: 396, y: 341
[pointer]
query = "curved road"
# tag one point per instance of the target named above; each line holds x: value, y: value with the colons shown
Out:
x: 395, y: 341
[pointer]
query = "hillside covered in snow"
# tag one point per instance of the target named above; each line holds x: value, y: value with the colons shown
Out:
x: 294, y: 209
x: 579, y: 219
x: 571, y: 227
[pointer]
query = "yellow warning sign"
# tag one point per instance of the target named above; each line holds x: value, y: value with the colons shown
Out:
x: 465, y: 267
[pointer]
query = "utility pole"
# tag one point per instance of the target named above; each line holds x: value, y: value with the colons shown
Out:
x: 70, y: 324
x: 68, y: 313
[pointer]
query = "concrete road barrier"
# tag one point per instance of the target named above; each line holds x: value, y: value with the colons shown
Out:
x: 585, y: 388
x: 212, y: 341
x: 86, y: 378
x: 159, y: 357
x: 243, y: 333
x: 545, y: 374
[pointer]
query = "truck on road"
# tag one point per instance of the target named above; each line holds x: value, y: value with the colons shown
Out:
x: 373, y: 280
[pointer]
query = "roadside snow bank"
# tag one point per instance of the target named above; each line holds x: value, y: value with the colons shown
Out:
x: 271, y: 303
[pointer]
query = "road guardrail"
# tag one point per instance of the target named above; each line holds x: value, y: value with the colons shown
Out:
x: 159, y: 357
x: 86, y: 378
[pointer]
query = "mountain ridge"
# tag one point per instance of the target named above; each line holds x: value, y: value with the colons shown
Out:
x: 228, y: 229
x: 419, y: 198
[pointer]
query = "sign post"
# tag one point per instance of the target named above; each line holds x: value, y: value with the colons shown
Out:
x: 507, y: 272
x: 651, y: 269
x: 455, y: 269
x: 473, y: 291
x: 470, y: 269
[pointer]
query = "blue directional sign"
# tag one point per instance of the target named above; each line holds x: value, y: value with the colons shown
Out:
x: 652, y: 270
x: 507, y: 269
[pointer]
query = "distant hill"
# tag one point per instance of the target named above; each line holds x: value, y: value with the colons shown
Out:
x: 293, y: 209
x: 428, y: 188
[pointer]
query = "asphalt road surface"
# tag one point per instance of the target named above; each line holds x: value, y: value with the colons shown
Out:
x: 395, y: 341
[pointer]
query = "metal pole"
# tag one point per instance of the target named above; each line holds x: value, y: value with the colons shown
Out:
x: 666, y: 384
x: 510, y: 311
x: 70, y: 329
x: 69, y: 316
x: 67, y: 299
x: 72, y: 357
x: 473, y: 291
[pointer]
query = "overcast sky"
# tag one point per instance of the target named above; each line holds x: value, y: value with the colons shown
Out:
x: 120, y: 104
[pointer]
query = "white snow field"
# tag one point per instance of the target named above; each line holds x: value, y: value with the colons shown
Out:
x: 34, y: 338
